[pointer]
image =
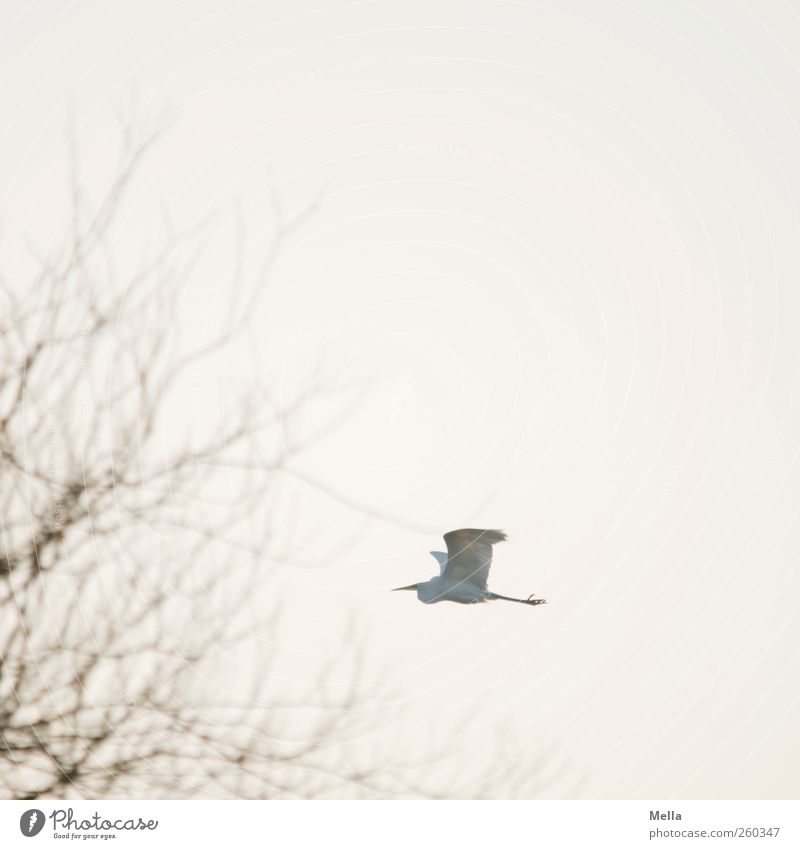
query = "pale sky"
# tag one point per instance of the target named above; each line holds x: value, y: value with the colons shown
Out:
x: 558, y: 243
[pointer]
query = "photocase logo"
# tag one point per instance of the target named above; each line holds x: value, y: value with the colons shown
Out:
x: 31, y: 822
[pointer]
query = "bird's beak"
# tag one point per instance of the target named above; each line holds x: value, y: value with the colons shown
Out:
x: 411, y: 587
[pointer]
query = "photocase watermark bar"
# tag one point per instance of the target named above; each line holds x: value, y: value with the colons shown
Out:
x: 467, y: 824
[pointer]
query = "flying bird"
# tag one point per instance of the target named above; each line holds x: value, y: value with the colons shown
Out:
x: 464, y: 570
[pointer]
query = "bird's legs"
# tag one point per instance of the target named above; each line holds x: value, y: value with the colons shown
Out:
x: 529, y: 600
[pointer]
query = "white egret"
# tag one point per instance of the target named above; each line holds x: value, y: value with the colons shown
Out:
x: 464, y: 570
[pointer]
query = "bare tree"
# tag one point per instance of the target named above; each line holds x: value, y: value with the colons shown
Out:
x: 119, y: 585
x: 129, y: 559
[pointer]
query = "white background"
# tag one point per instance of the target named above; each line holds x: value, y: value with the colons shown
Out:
x: 558, y: 243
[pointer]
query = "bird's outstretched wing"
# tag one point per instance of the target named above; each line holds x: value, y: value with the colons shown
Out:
x: 469, y: 554
x: 441, y: 559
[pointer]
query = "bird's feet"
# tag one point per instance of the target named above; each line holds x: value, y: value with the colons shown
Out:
x: 531, y: 600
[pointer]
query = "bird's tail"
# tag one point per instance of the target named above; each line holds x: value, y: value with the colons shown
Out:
x: 529, y: 600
